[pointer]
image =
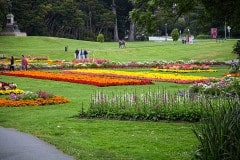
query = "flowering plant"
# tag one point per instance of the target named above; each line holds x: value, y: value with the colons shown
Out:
x: 6, y: 86
x: 29, y: 98
x: 28, y: 95
x: 226, y: 86
x: 44, y: 95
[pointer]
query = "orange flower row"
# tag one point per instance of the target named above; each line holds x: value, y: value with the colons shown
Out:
x: 96, y: 80
x: 37, y: 102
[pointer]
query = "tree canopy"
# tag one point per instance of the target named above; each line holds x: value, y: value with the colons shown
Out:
x: 85, y: 19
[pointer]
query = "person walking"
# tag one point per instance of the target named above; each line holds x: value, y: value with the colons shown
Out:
x: 24, y: 63
x: 12, y: 63
x: 81, y: 54
x: 76, y: 53
x: 85, y: 52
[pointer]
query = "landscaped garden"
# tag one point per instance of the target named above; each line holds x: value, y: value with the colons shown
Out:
x: 118, y: 103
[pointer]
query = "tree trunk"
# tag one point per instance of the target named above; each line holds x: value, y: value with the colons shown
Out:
x: 132, y: 31
x: 116, y: 38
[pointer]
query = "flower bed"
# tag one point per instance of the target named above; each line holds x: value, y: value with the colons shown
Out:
x: 184, y: 66
x: 176, y: 78
x: 9, y: 91
x: 36, y: 102
x: 227, y: 86
x: 83, y: 79
x: 184, y: 71
x: 45, y: 63
x: 232, y: 74
x: 152, y: 106
x: 7, y: 88
x: 31, y: 99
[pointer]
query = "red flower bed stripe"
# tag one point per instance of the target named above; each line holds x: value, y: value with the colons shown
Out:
x: 82, y: 79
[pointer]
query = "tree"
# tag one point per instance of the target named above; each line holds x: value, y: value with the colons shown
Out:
x: 236, y: 48
x: 114, y: 10
x: 175, y: 34
x: 3, y: 11
x: 149, y: 14
x: 100, y: 38
x: 223, y: 12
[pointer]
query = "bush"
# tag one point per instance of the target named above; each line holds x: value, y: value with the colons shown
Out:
x: 203, y: 36
x: 218, y: 133
x: 100, y: 38
x: 175, y: 34
x: 236, y: 48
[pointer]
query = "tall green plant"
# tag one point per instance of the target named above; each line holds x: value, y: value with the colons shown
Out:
x: 236, y: 48
x: 218, y: 133
x: 100, y: 37
x: 175, y: 34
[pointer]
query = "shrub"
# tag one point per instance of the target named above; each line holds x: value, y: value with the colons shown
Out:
x: 203, y: 36
x: 100, y: 38
x: 175, y: 34
x: 218, y: 133
x: 236, y: 48
x: 44, y: 95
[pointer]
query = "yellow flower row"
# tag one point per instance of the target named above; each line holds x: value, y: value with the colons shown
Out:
x: 148, y: 75
x: 183, y: 70
x: 8, y: 91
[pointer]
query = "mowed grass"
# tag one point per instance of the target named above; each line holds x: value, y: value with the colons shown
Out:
x: 134, y: 51
x: 105, y: 139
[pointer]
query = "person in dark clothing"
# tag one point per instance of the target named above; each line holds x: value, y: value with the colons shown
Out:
x: 66, y: 48
x: 85, y: 53
x: 12, y: 63
x: 76, y: 53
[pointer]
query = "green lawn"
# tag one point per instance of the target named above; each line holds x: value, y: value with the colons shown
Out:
x: 135, y: 51
x: 105, y: 139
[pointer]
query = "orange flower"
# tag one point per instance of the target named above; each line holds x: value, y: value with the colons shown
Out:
x: 38, y: 102
x: 96, y: 80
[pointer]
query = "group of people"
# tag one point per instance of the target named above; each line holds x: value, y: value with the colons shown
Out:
x: 24, y: 63
x: 82, y: 54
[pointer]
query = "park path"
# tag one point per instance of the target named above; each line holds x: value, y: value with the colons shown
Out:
x: 15, y: 145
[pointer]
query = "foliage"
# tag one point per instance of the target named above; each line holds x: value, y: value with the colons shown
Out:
x: 105, y: 139
x: 28, y: 95
x: 228, y: 13
x: 236, y: 48
x: 235, y: 68
x: 148, y: 14
x: 100, y: 37
x: 152, y: 106
x: 44, y: 95
x: 227, y: 86
x: 85, y: 19
x: 202, y: 36
x: 175, y: 34
x: 218, y: 133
